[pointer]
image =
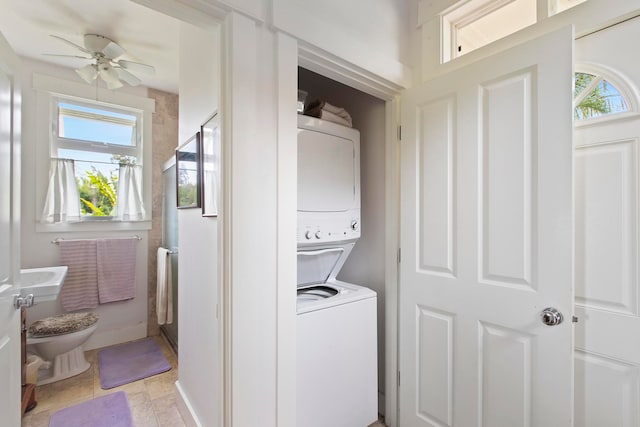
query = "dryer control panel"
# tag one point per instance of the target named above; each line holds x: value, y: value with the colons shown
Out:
x: 315, y: 228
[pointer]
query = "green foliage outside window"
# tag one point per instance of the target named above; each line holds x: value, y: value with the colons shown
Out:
x: 98, y: 191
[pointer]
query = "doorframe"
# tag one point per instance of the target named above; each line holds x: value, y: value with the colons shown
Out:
x: 329, y: 66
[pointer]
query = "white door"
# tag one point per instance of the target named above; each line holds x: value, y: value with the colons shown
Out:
x: 10, y: 363
x: 607, y: 226
x: 487, y: 242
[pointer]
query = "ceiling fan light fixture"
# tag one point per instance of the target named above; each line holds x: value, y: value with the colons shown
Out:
x: 104, y: 52
x: 110, y: 77
x: 88, y: 73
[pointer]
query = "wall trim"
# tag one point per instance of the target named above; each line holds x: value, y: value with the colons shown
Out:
x: 328, y: 65
x: 184, y: 407
x: 392, y: 243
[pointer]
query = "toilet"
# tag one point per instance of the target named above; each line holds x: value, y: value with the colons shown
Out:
x: 59, y: 340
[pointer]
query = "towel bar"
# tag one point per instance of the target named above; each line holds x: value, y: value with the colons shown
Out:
x: 58, y: 239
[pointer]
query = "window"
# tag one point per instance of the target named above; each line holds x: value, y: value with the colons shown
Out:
x: 81, y: 127
x: 595, y: 96
x: 469, y: 25
x: 99, y: 138
x: 477, y: 23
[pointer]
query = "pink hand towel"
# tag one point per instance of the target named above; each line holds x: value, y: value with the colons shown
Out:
x: 80, y: 288
x: 116, y: 269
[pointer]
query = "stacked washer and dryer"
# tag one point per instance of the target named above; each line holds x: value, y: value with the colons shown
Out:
x: 336, y: 322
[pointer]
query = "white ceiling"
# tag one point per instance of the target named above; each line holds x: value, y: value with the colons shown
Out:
x: 146, y: 36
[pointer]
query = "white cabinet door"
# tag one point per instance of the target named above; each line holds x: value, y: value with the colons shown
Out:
x: 607, y: 226
x: 487, y: 242
x: 10, y: 363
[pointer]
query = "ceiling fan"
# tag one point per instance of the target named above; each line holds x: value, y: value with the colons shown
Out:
x: 104, y: 54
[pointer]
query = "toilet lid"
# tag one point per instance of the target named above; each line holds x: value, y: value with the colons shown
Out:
x: 62, y: 324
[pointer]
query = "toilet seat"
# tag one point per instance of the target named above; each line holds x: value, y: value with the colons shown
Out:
x: 62, y: 324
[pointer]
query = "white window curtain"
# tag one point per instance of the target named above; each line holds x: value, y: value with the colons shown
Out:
x: 63, y: 200
x: 129, y: 202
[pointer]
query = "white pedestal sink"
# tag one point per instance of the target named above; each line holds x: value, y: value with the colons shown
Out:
x: 43, y: 283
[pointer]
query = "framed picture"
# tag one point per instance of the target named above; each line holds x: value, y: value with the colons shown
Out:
x: 210, y: 136
x: 188, y: 173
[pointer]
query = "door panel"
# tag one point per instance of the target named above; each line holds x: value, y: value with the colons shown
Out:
x: 10, y: 360
x: 506, y: 192
x: 486, y: 236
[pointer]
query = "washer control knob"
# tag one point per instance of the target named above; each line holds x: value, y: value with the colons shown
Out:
x: 308, y: 235
x: 318, y: 234
x: 354, y: 224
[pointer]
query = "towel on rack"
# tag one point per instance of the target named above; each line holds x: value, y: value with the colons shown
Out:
x: 325, y: 111
x: 80, y: 288
x: 116, y: 269
x: 164, y: 291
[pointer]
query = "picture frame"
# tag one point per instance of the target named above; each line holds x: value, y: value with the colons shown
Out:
x: 188, y: 173
x: 211, y: 151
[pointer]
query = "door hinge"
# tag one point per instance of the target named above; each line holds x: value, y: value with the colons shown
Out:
x: 398, y: 379
x: 399, y: 255
x: 399, y: 133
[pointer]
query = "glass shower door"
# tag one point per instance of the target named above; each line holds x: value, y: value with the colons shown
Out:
x: 170, y: 241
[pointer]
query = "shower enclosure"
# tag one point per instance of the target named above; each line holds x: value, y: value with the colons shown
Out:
x: 170, y: 241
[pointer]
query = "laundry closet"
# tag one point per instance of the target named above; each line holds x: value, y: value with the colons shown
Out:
x: 366, y: 264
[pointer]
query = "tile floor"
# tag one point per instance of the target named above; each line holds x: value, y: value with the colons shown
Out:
x: 152, y: 399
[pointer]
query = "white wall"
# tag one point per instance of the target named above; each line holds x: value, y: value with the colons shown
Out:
x: 119, y: 321
x: 373, y: 35
x: 199, y: 382
x: 365, y: 265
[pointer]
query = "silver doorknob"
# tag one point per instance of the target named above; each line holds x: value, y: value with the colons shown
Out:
x: 551, y: 317
x: 20, y: 301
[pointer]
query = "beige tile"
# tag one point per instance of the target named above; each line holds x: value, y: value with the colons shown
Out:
x: 64, y: 393
x: 134, y: 387
x: 167, y: 412
x: 151, y: 400
x: 142, y: 410
x: 162, y: 384
x: 36, y: 420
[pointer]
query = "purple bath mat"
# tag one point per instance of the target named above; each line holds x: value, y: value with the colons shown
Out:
x: 111, y: 410
x: 125, y: 363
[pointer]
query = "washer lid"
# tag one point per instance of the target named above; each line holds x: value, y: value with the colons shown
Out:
x: 315, y: 293
x: 320, y: 265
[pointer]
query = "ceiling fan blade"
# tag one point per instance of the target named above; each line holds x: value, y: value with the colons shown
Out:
x: 67, y: 56
x: 127, y: 77
x: 112, y: 50
x: 136, y: 66
x: 110, y: 77
x: 88, y: 73
x: 104, y: 45
x: 72, y: 44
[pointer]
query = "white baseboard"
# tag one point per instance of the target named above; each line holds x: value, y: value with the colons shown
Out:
x: 116, y: 336
x: 184, y: 407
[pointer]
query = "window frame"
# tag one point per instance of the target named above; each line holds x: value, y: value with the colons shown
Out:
x: 629, y: 94
x: 81, y: 144
x: 88, y: 146
x: 466, y: 12
x: 46, y: 89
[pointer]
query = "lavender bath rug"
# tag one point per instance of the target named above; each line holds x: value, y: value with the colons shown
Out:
x: 111, y: 410
x: 125, y: 363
